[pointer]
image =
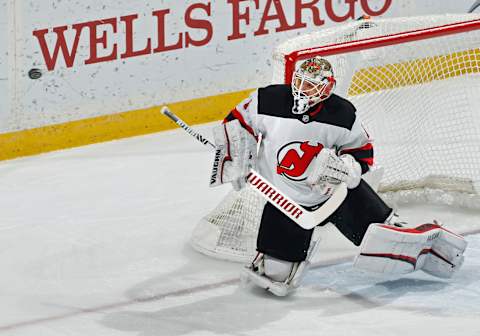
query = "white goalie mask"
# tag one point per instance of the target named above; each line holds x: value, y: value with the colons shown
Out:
x: 312, y: 82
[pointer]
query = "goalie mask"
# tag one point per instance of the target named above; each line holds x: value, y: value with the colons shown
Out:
x: 312, y: 83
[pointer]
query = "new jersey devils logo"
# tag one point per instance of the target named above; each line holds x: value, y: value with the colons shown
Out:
x: 295, y: 157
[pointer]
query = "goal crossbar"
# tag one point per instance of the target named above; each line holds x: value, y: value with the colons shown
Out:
x: 377, y: 42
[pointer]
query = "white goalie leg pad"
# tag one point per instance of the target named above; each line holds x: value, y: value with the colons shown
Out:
x: 278, y: 276
x: 446, y: 256
x: 438, y: 266
x: 400, y: 250
x: 384, y: 249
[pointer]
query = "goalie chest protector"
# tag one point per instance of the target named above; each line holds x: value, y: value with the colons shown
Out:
x: 290, y: 142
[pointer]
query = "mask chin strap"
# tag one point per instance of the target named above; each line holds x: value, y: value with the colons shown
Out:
x: 300, y: 105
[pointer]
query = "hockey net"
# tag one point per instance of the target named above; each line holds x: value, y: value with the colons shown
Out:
x: 416, y: 85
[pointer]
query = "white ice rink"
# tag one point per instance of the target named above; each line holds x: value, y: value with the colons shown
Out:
x: 94, y: 241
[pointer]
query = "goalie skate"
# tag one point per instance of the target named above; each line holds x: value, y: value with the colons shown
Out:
x: 255, y: 272
x: 277, y: 288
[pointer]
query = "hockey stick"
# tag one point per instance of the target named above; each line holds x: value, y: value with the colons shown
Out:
x: 306, y: 219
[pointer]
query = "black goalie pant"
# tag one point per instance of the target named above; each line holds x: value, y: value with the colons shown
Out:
x: 282, y: 238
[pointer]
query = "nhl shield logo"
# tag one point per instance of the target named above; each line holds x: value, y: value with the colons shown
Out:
x: 305, y: 118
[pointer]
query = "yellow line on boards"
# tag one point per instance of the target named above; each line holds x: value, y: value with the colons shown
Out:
x: 139, y: 122
x: 115, y: 126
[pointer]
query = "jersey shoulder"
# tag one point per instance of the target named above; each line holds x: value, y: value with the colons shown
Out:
x: 276, y: 101
x: 337, y: 111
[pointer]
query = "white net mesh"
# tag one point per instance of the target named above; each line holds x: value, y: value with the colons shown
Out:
x: 230, y: 230
x: 419, y: 100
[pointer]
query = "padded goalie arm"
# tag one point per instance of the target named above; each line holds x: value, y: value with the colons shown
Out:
x: 358, y: 144
x: 245, y: 112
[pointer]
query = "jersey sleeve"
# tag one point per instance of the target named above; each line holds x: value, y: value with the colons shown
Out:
x: 246, y: 113
x: 358, y: 144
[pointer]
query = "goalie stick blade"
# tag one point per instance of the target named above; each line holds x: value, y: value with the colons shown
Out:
x: 306, y: 219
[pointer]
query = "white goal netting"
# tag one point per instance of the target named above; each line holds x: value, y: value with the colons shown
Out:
x: 416, y: 85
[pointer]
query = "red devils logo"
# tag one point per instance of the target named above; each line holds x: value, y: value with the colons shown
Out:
x: 294, y: 158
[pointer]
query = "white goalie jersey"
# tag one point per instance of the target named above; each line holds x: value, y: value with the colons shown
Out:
x: 290, y: 141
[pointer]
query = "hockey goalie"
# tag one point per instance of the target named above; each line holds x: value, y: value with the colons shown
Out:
x: 306, y: 140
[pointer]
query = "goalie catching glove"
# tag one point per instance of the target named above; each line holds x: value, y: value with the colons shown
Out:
x: 330, y: 169
x: 235, y: 154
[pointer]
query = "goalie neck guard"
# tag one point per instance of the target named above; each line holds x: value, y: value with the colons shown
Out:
x: 312, y: 82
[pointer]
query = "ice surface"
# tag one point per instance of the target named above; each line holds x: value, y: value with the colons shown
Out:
x: 94, y: 241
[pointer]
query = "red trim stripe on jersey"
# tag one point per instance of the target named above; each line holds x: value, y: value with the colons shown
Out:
x: 236, y: 114
x: 363, y: 154
x: 367, y: 146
